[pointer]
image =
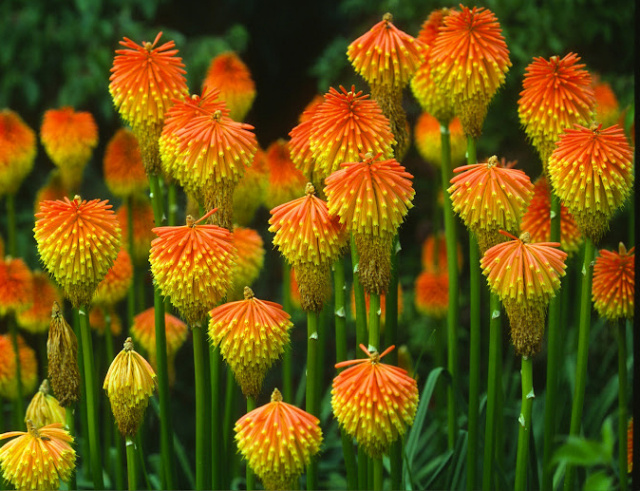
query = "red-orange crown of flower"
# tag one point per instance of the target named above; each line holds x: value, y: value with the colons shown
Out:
x: 252, y: 335
x: 431, y: 26
x: 37, y: 317
x: 192, y: 265
x: 429, y: 140
x: 432, y: 294
x: 78, y: 242
x: 278, y: 440
x: 299, y: 145
x: 144, y: 80
x: 556, y: 95
x: 115, y: 284
x: 591, y: 171
x: 286, y: 182
x: 18, y: 143
x: 614, y: 283
x: 16, y: 286
x: 374, y: 402
x: 345, y: 125
x: 607, y: 106
x: 124, y: 173
x: 144, y: 333
x: 385, y: 55
x: 228, y: 73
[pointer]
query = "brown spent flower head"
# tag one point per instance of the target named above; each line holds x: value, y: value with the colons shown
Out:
x: 100, y: 316
x: 591, y: 171
x: 69, y: 137
x: 18, y: 143
x: 116, y: 283
x: 228, y: 73
x: 252, y: 334
x: 556, y: 95
x: 251, y: 190
x: 78, y: 242
x: 44, y: 409
x: 124, y: 172
x: 37, y: 317
x: 278, y: 440
x: 526, y: 277
x: 537, y: 219
x: 251, y: 253
x: 469, y: 60
x: 52, y: 190
x: 432, y: 294
x: 62, y: 357
x: 607, y: 106
x: 429, y: 143
x: 129, y: 383
x: 143, y: 223
x: 489, y: 197
x: 39, y: 458
x: 374, y: 402
x: 614, y: 283
x: 286, y: 182
x: 8, y: 368
x: 16, y: 286
x: 299, y: 145
x: 192, y: 265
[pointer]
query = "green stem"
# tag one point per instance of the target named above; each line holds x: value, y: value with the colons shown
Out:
x: 84, y: 419
x: 140, y: 459
x: 216, y: 461
x: 172, y: 197
x: 377, y: 474
x: 131, y: 463
x: 91, y: 399
x: 474, y: 358
x: 119, y: 470
x: 12, y: 248
x: 227, y: 440
x: 287, y: 364
x: 312, y: 405
x: 71, y: 428
x: 202, y: 453
x: 493, y: 384
x: 363, y: 473
x: 361, y: 305
x: 251, y: 478
x: 156, y: 200
x: 374, y: 322
x: 554, y: 341
x: 622, y: 404
x: 524, y: 433
x: 583, y: 353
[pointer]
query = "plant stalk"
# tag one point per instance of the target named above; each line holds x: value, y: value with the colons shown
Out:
x: 131, y: 464
x: 493, y: 384
x: 216, y: 461
x: 475, y: 343
x: 119, y: 469
x: 203, y: 459
x: 251, y: 478
x: 71, y: 428
x: 287, y: 364
x: 622, y: 404
x: 524, y: 432
x: 361, y: 305
x: 312, y: 390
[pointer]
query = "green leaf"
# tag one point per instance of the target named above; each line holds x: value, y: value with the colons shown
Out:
x: 418, y: 422
x: 579, y: 451
x: 597, y: 481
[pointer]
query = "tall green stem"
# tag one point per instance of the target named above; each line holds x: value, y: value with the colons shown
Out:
x: 71, y: 428
x: 377, y: 474
x: 172, y: 198
x: 91, y: 399
x: 312, y: 389
x: 622, y: 404
x: 215, y: 419
x: 227, y: 441
x: 202, y: 452
x: 119, y: 471
x: 131, y: 464
x: 374, y: 322
x: 251, y: 478
x: 287, y: 365
x: 361, y: 305
x: 554, y: 341
x: 583, y: 353
x: 474, y: 359
x: 526, y: 373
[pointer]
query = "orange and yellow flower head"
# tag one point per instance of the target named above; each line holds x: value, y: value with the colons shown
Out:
x: 8, y: 368
x: 78, y: 242
x: 556, y: 95
x: 44, y: 409
x: 18, y: 143
x: 229, y: 74
x: 144, y: 81
x: 286, y: 182
x: 252, y: 334
x: 371, y: 198
x: 117, y: 281
x: 591, y: 171
x: 345, y: 125
x: 607, y: 106
x: 143, y: 223
x: 129, y: 383
x: 431, y: 295
x: 300, y: 146
x: 16, y: 286
x: 434, y: 254
x: 490, y: 197
x: 537, y: 219
x: 470, y: 60
x: 36, y: 318
x: 123, y: 169
x: 38, y: 458
x: 69, y: 137
x: 52, y: 190
x: 62, y: 358
x: 251, y: 190
x: 429, y: 143
x: 614, y: 283
x: 250, y: 247
x: 192, y: 265
x: 374, y: 402
x: 278, y: 440
x: 525, y: 276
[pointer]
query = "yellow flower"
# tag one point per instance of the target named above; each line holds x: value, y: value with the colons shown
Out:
x: 44, y: 409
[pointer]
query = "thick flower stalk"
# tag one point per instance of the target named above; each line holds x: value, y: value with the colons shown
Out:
x: 286, y: 182
x: 62, y: 356
x: 252, y: 334
x: 470, y: 60
x: 374, y: 402
x: 614, y: 283
x: 38, y: 458
x: 44, y: 409
x: 591, y: 171
x: 278, y: 440
x: 428, y: 140
x: 122, y: 166
x: 18, y: 143
x: 250, y: 247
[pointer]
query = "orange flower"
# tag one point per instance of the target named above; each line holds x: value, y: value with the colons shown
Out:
x: 69, y: 138
x: 434, y: 254
x: 44, y: 409
x: 53, y: 189
x: 117, y: 281
x: 614, y: 283
x: 469, y: 60
x: 100, y: 316
x: 62, y: 357
x: 432, y: 294
x: 286, y: 182
x: 252, y: 335
x: 373, y: 402
x: 428, y: 140
x: 8, y: 368
x: 231, y: 76
x: 251, y: 252
x: 430, y: 27
x: 36, y: 318
x: 299, y: 146
x: 537, y: 219
x: 251, y: 190
x: 607, y: 107
x: 192, y: 265
x: 78, y: 242
x: 556, y: 95
x: 278, y: 440
x: 591, y: 171
x: 489, y: 197
x: 38, y: 458
x: 143, y: 223
x: 123, y: 169
x: 345, y: 125
x: 526, y: 277
x: 18, y: 143
x: 16, y: 286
